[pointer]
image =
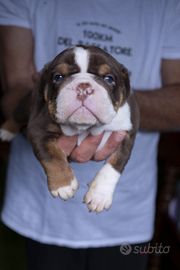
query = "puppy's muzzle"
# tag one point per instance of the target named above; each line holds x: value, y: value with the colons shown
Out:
x: 83, y: 90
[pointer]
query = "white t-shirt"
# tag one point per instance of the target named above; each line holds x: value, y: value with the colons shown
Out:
x: 138, y: 33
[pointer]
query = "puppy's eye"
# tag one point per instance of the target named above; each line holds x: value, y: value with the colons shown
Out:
x: 58, y: 78
x: 109, y: 79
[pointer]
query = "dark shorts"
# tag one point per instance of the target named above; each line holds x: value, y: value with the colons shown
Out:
x: 51, y: 257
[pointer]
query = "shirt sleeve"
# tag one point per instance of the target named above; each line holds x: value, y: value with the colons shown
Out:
x: 171, y: 42
x: 14, y: 13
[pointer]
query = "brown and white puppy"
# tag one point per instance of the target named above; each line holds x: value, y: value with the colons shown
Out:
x: 83, y: 90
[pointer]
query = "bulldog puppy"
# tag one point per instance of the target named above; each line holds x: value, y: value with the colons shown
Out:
x: 83, y: 90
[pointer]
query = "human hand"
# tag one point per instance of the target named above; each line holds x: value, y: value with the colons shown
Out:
x: 87, y: 149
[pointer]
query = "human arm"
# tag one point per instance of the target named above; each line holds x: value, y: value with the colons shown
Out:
x: 17, y: 65
x: 160, y: 109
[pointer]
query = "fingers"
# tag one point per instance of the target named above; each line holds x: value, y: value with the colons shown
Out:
x: 67, y: 143
x: 111, y: 145
x: 86, y: 150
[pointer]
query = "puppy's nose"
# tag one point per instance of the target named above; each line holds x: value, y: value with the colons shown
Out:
x: 83, y: 90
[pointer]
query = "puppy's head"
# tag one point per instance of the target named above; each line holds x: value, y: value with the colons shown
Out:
x: 84, y: 86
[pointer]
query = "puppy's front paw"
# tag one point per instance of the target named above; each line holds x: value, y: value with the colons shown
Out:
x: 66, y: 191
x: 97, y: 200
x: 101, y: 189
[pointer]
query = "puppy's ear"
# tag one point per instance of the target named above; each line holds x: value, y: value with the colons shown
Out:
x: 47, y: 65
x: 126, y: 81
x: 42, y: 81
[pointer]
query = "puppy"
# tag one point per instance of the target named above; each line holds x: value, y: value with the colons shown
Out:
x: 83, y: 90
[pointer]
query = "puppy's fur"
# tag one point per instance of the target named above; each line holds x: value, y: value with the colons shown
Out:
x: 83, y: 90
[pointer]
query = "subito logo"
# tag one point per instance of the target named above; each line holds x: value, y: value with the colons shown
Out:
x: 125, y: 249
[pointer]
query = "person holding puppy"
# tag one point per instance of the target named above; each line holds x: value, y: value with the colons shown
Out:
x: 144, y: 36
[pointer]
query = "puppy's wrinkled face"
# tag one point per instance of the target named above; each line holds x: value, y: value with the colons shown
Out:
x: 85, y: 87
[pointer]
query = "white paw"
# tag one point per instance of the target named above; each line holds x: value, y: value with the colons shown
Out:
x: 101, y: 189
x: 5, y: 135
x: 97, y: 200
x: 66, y: 191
